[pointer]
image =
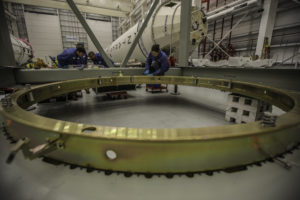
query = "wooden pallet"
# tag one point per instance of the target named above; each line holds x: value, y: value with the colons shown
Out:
x: 156, y: 88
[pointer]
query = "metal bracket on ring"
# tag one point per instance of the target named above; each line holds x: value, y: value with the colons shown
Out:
x: 268, y: 120
x: 99, y: 80
x: 36, y: 152
x: 229, y: 84
x: 196, y: 80
x: 28, y: 86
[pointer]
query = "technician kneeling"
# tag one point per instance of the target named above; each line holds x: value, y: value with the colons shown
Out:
x: 72, y: 56
x: 157, y: 62
x: 98, y: 59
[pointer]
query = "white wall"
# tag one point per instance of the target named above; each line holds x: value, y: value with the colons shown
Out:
x: 44, y: 34
x: 103, y: 32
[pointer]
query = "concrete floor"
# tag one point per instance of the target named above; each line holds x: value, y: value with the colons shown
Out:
x: 144, y: 110
x: 195, y: 107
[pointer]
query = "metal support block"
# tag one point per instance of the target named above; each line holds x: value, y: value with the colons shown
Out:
x: 266, y: 24
x: 242, y: 109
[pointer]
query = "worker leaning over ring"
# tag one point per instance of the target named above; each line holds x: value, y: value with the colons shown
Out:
x: 157, y: 62
x: 98, y: 59
x: 72, y: 56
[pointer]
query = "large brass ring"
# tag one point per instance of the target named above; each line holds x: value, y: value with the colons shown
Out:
x: 155, y: 150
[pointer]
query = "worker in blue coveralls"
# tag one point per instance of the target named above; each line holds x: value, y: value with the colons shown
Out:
x: 157, y: 62
x: 72, y: 56
x: 98, y: 59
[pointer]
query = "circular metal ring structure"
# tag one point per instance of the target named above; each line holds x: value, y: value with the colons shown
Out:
x: 154, y: 150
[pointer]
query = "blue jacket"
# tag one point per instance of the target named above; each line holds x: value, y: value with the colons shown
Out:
x: 100, y: 61
x: 69, y: 57
x: 161, y: 59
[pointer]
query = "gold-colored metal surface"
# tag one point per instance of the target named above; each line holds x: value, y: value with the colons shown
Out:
x: 156, y: 150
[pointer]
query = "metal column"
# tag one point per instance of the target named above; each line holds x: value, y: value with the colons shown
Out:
x: 140, y: 32
x: 7, y: 55
x: 185, y: 22
x: 89, y: 32
x: 204, y: 42
x: 266, y: 24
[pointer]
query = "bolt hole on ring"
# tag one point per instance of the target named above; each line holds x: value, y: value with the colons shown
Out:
x: 95, y: 144
x: 89, y: 129
x: 111, y: 154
